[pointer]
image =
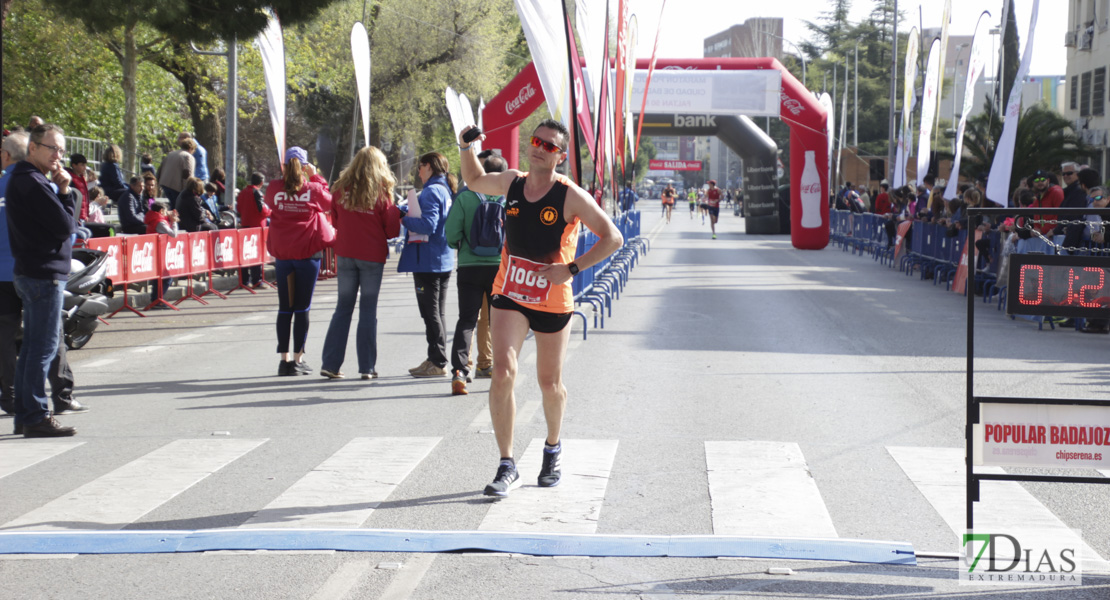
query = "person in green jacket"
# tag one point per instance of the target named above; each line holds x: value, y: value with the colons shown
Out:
x: 475, y: 281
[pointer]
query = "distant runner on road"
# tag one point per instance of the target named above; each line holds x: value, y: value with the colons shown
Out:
x: 713, y: 205
x: 668, y: 201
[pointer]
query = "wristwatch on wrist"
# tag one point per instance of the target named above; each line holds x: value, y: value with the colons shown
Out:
x: 573, y: 269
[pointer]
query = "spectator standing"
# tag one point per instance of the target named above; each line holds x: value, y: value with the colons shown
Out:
x: 299, y: 233
x: 133, y: 208
x: 1077, y: 197
x: 628, y: 198
x: 78, y: 170
x: 177, y: 167
x: 1049, y: 195
x: 365, y: 219
x: 476, y: 274
x: 200, y: 156
x: 882, y: 201
x: 429, y: 259
x: 111, y: 176
x: 41, y: 227
x: 253, y: 212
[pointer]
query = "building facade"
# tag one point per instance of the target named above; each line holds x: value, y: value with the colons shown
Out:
x: 1088, y: 42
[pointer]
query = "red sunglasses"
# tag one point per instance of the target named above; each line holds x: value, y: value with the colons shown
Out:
x: 552, y: 148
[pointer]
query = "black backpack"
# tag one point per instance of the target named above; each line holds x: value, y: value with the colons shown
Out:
x: 487, y: 230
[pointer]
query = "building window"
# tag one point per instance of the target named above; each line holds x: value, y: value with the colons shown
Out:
x: 1074, y: 92
x: 1098, y: 92
x: 1085, y: 94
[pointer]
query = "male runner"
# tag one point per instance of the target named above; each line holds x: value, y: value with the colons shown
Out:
x: 668, y: 200
x: 693, y: 197
x: 533, y: 285
x: 713, y: 205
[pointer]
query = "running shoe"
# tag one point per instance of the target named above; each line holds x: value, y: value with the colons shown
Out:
x: 714, y: 236
x: 551, y: 471
x: 506, y: 479
x: 458, y: 384
x: 486, y: 373
x: 301, y: 368
x: 370, y: 375
x: 420, y: 367
x: 429, y: 370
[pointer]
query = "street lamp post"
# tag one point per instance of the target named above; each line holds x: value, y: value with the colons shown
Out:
x: 801, y: 54
x: 855, y: 118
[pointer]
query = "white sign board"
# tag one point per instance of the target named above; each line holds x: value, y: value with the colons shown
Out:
x: 1043, y: 435
x: 751, y: 93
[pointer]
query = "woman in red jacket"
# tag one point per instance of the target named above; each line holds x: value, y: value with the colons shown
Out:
x: 299, y: 233
x: 253, y: 212
x: 365, y: 218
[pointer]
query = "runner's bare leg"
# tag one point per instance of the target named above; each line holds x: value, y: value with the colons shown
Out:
x: 508, y: 328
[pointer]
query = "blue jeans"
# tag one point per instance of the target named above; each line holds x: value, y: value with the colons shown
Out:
x: 296, y: 280
x: 42, y: 323
x: 355, y: 276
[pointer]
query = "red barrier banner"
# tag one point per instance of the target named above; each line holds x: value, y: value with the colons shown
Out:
x: 225, y: 249
x: 200, y: 258
x: 674, y: 165
x: 250, y: 247
x: 113, y: 247
x: 175, y: 255
x: 142, y: 257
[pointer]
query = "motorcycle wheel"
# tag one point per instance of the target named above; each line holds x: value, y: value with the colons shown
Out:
x: 76, y: 342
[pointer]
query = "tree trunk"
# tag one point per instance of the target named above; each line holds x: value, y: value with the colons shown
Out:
x: 130, y: 65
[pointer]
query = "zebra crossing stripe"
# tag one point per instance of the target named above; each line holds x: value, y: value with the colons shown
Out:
x: 1004, y: 506
x: 764, y: 489
x: 131, y: 491
x: 17, y: 457
x: 573, y: 506
x: 343, y: 490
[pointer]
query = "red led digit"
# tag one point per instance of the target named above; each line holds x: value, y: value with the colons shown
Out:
x: 1040, y: 285
x: 1092, y: 287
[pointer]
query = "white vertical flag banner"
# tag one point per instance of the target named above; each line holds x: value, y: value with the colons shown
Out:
x: 978, y: 61
x: 589, y: 20
x: 454, y: 110
x: 909, y: 99
x: 272, y: 48
x: 944, y: 22
x: 630, y: 69
x: 545, y: 30
x: 468, y: 119
x: 928, y: 111
x: 830, y: 125
x: 1002, y: 166
x: 360, y: 53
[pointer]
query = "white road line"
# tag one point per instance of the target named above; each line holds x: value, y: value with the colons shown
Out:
x: 145, y: 349
x: 524, y: 414
x: 220, y: 328
x: 404, y: 584
x: 97, y: 363
x: 1004, y: 506
x: 254, y: 317
x: 573, y: 506
x: 764, y: 488
x: 189, y: 336
x: 131, y: 491
x: 16, y: 457
x: 343, y: 490
x: 342, y: 581
x: 325, y: 299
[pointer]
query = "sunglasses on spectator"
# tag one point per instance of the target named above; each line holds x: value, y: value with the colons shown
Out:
x: 1040, y: 179
x: 1096, y: 198
x: 1069, y: 173
x: 552, y: 148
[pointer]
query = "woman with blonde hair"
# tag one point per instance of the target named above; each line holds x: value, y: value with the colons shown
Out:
x: 365, y: 219
x: 299, y: 233
x: 111, y: 176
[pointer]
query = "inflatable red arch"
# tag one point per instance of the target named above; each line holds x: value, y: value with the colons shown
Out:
x: 799, y: 110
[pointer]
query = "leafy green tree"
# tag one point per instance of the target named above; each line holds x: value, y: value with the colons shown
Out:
x: 1044, y: 140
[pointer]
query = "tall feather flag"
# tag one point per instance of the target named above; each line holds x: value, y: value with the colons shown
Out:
x: 928, y: 111
x: 543, y: 27
x: 909, y: 99
x: 591, y: 25
x: 578, y: 101
x: 975, y: 68
x: 946, y: 18
x: 360, y: 53
x: 604, y: 154
x: 998, y: 184
x: 629, y: 77
x: 619, y: 87
x: 272, y: 48
x: 651, y: 69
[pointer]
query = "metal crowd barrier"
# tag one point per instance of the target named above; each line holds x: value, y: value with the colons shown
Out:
x: 603, y: 283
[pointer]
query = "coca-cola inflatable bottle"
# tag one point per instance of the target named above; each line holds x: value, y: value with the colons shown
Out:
x: 811, y: 193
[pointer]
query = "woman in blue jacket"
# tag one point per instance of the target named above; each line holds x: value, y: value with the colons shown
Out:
x: 429, y: 259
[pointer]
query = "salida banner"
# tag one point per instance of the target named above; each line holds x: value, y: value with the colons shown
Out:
x: 674, y: 165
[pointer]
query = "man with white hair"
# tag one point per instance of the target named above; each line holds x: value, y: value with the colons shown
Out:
x: 1074, y: 194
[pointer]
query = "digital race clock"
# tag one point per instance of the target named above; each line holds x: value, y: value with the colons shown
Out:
x: 1062, y: 286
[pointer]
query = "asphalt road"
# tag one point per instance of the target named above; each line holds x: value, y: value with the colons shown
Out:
x: 741, y: 387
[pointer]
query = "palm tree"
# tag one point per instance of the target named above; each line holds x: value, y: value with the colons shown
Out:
x: 1044, y: 140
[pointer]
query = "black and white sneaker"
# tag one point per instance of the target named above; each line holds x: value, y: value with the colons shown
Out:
x: 551, y: 471
x: 507, y: 478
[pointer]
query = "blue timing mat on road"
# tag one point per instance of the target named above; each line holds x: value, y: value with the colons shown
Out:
x: 378, y: 540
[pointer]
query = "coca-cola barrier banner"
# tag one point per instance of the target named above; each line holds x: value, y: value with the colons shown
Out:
x: 142, y: 258
x: 113, y: 247
x: 674, y: 165
x: 175, y: 255
x: 200, y: 255
x: 250, y: 247
x: 225, y: 249
x: 797, y: 108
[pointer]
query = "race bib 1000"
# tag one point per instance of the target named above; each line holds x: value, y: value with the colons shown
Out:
x: 523, y: 284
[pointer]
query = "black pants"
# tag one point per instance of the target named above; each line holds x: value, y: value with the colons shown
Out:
x: 475, y: 283
x: 60, y: 376
x: 431, y: 297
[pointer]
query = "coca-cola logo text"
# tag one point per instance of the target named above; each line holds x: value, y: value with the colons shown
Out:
x: 812, y: 188
x: 791, y: 104
x: 525, y: 95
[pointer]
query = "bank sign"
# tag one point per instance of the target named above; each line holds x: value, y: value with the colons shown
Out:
x: 674, y: 165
